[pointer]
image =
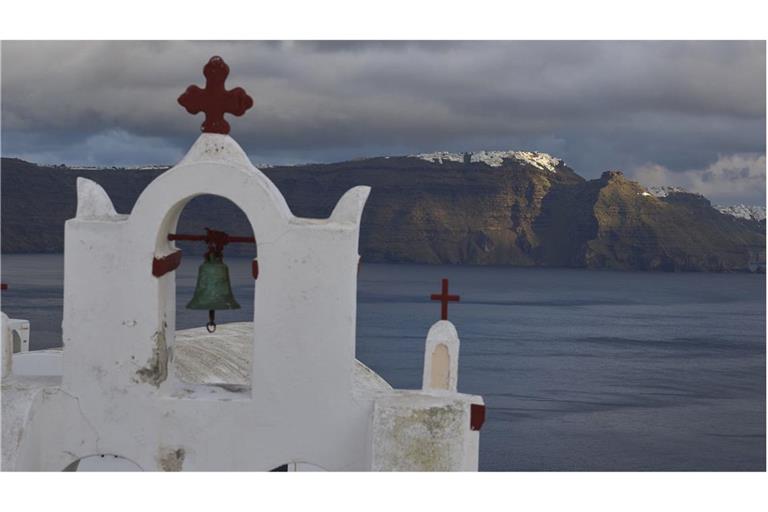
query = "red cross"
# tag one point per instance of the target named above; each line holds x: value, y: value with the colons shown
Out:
x: 215, y: 100
x: 444, y: 298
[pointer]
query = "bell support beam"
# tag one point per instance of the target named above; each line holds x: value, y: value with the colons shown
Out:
x: 216, y: 241
x: 204, y: 238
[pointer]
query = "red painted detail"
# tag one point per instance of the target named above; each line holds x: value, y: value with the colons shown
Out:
x: 214, y: 235
x: 161, y: 266
x: 187, y: 238
x: 215, y: 100
x: 444, y: 299
x: 216, y: 240
x: 255, y: 269
x: 476, y: 416
x: 241, y: 240
x: 3, y: 286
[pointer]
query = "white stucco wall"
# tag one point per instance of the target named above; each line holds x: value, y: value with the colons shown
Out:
x: 416, y: 431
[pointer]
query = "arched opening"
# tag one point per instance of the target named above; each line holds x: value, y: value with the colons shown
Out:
x: 291, y: 467
x: 222, y: 357
x: 16, y: 341
x: 441, y: 369
x: 19, y: 330
x: 103, y: 462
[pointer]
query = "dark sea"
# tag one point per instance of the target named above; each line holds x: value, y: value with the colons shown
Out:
x: 580, y: 369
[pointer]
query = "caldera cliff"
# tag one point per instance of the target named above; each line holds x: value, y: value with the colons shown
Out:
x: 489, y: 208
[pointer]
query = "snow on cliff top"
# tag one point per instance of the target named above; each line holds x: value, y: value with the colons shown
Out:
x: 494, y: 158
x: 740, y: 211
x: 743, y: 211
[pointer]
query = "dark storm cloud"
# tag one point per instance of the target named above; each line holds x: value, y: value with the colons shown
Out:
x: 598, y: 105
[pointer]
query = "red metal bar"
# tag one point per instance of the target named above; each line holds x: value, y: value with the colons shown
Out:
x: 190, y: 238
x: 476, y: 416
x: 216, y: 241
x: 205, y: 238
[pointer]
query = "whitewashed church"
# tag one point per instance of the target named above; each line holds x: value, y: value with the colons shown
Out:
x: 284, y: 392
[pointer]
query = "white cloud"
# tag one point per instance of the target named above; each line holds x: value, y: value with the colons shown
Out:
x: 731, y: 178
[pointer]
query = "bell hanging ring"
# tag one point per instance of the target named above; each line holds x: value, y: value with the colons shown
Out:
x: 211, y: 325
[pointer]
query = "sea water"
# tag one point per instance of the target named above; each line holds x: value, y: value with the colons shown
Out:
x: 580, y: 369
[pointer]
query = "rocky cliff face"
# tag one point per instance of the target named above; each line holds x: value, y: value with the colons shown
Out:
x: 513, y: 208
x: 678, y: 232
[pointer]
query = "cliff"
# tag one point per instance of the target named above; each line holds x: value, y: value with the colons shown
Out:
x: 490, y: 208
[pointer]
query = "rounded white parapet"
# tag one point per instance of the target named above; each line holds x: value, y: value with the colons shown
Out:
x: 441, y: 358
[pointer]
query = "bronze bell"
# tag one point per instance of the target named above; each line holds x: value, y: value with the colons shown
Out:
x: 213, y: 290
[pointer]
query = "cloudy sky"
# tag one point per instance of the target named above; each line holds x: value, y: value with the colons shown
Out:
x: 667, y: 113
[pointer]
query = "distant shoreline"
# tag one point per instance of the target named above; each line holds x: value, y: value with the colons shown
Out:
x: 469, y: 265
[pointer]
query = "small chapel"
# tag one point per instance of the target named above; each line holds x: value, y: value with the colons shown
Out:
x: 282, y: 392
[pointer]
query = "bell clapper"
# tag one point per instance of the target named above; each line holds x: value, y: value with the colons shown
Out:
x: 211, y: 325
